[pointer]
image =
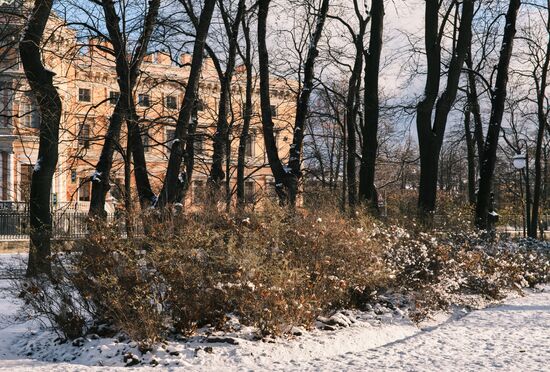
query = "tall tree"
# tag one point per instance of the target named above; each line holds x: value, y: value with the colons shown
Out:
x: 221, y: 136
x: 287, y: 177
x: 352, y: 99
x: 367, y: 189
x: 174, y: 180
x: 127, y: 70
x: 49, y: 105
x: 498, y: 99
x: 430, y: 127
x: 247, y: 117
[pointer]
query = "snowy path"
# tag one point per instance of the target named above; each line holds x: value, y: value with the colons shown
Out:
x: 514, y: 336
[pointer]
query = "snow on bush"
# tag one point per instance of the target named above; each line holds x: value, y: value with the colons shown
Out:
x: 273, y: 270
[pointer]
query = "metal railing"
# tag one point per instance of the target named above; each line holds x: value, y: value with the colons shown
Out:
x: 66, y: 225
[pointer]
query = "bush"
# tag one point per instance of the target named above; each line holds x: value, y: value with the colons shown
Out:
x: 273, y: 270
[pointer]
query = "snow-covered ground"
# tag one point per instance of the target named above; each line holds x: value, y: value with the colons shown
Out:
x: 514, y: 335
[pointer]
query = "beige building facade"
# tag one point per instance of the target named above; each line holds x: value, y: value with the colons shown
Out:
x: 86, y: 80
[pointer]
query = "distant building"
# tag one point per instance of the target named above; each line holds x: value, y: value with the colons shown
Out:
x: 86, y: 80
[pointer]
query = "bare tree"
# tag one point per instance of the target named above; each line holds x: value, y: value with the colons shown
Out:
x: 247, y: 110
x: 127, y: 70
x: 367, y: 189
x: 49, y: 103
x: 287, y: 177
x: 489, y: 155
x: 431, y: 131
x: 174, y: 181
x: 221, y: 137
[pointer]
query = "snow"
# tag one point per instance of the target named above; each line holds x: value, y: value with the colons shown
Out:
x: 38, y: 165
x: 511, y: 336
x: 96, y: 177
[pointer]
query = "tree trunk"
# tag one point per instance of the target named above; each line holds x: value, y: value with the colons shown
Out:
x: 127, y: 72
x: 277, y: 168
x: 488, y: 158
x: 302, y: 110
x: 430, y: 138
x: 542, y: 122
x: 473, y: 103
x: 49, y: 104
x: 173, y: 181
x: 470, y: 155
x: 286, y: 178
x: 426, y: 137
x: 352, y: 109
x: 367, y: 189
x: 221, y: 137
x: 128, y: 189
x: 241, y: 155
x: 146, y: 195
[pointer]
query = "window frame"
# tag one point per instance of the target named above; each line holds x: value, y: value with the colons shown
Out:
x: 199, y: 193
x: 171, y: 102
x: 274, y: 111
x: 84, y: 142
x: 84, y: 184
x: 145, y: 139
x: 84, y: 93
x: 114, y: 96
x: 144, y: 100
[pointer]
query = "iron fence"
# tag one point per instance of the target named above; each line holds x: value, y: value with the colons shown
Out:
x: 66, y: 225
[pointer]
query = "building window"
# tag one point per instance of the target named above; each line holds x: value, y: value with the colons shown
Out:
x: 171, y: 102
x: 273, y: 111
x: 198, y: 192
x: 249, y: 195
x: 5, y: 104
x: 145, y: 139
x: 10, y: 55
x: 198, y: 144
x: 249, y: 146
x: 73, y: 176
x: 84, y: 95
x: 84, y: 135
x: 84, y: 191
x: 113, y: 97
x: 29, y: 114
x: 200, y: 105
x: 25, y: 181
x: 144, y: 100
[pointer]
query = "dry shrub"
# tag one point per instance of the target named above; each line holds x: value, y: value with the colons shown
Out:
x: 273, y: 269
x: 276, y: 269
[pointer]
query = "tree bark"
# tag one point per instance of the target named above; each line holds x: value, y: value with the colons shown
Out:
x: 49, y: 104
x: 302, y: 110
x: 367, y: 189
x: 542, y: 116
x: 430, y: 137
x: 470, y: 155
x: 174, y: 182
x: 127, y: 72
x: 221, y: 137
x: 489, y: 155
x: 241, y: 155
